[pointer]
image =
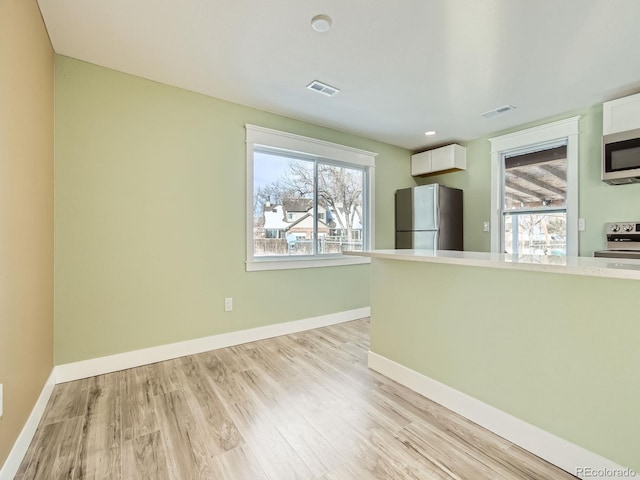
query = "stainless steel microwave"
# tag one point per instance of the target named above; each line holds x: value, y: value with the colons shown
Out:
x: 621, y: 157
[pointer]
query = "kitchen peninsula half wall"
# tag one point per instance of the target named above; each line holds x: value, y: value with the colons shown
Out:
x: 542, y: 351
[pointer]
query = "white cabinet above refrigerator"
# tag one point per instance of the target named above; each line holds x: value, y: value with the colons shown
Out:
x: 449, y: 157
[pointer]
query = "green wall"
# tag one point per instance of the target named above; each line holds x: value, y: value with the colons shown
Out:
x: 150, y: 218
x: 543, y: 347
x: 598, y: 202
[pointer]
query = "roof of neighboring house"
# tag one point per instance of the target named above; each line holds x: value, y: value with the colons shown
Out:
x: 274, y: 218
x: 303, y: 218
x: 297, y: 204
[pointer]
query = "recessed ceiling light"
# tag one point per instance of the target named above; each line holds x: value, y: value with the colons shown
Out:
x: 428, y: 133
x: 321, y: 23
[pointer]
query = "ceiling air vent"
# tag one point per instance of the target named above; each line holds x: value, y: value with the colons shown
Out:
x: 497, y: 111
x: 322, y: 88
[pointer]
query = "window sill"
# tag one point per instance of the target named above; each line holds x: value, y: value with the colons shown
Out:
x: 290, y: 264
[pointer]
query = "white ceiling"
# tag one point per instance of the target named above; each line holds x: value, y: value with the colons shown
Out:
x: 403, y: 66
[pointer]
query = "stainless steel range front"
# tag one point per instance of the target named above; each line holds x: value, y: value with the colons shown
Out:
x: 623, y: 240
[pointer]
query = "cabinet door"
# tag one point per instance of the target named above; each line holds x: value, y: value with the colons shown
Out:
x: 421, y: 163
x: 442, y: 158
x: 621, y: 115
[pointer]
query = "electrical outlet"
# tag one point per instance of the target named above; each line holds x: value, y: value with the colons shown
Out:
x: 486, y: 226
x: 228, y: 304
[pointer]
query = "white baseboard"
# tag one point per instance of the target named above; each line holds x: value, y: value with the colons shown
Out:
x: 562, y: 453
x: 17, y: 453
x: 121, y: 361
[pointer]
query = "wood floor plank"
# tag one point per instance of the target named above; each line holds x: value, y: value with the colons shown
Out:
x: 347, y: 471
x: 236, y: 360
x: 362, y: 454
x: 222, y: 377
x: 138, y: 415
x: 55, y: 453
x: 308, y: 443
x: 436, y: 448
x: 277, y: 458
x: 145, y: 457
x: 301, y: 406
x: 99, y: 449
x: 186, y: 449
x: 408, y: 458
x: 99, y: 465
x: 238, y: 464
x: 209, y: 412
x: 68, y: 400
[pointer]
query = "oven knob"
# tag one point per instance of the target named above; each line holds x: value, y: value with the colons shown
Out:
x: 614, y: 228
x: 627, y: 228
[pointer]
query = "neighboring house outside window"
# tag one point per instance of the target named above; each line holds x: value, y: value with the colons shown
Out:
x: 312, y: 200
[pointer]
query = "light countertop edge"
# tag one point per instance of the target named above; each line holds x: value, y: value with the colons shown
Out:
x: 586, y: 266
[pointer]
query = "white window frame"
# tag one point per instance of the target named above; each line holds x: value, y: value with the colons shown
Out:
x: 266, y: 137
x: 532, y: 139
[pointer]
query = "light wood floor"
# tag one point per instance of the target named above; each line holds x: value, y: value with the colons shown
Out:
x: 302, y: 406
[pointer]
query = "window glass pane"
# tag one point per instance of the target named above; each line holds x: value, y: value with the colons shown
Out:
x: 535, y: 233
x: 536, y: 179
x: 340, y: 202
x: 283, y: 201
x: 310, y: 201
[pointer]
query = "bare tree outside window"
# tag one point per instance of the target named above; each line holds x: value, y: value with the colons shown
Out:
x: 536, y: 233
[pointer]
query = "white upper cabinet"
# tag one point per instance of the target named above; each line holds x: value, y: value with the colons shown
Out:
x: 421, y: 163
x: 621, y: 115
x: 450, y: 157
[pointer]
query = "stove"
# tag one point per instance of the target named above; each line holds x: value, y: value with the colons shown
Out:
x: 623, y: 240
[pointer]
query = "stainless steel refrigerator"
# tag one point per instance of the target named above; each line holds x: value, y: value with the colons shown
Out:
x: 429, y: 217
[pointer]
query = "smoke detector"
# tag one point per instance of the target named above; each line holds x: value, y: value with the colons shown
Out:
x: 323, y: 88
x: 321, y: 23
x: 497, y: 111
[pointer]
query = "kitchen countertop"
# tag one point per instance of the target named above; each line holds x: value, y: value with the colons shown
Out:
x: 588, y: 266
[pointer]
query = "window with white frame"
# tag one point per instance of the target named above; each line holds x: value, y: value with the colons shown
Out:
x: 308, y: 201
x: 535, y: 190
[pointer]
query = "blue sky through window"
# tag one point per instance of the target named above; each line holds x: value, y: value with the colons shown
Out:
x: 268, y: 168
